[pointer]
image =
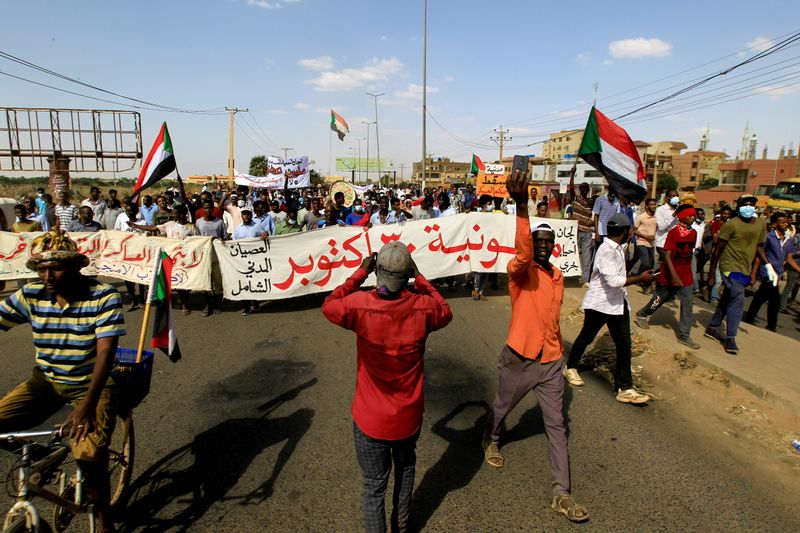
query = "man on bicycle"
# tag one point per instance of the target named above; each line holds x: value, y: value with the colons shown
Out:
x: 76, y: 323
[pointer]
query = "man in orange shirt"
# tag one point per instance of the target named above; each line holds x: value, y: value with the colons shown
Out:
x: 531, y: 358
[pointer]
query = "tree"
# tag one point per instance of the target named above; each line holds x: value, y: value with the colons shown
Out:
x: 666, y: 182
x: 708, y: 183
x: 316, y: 177
x: 258, y: 165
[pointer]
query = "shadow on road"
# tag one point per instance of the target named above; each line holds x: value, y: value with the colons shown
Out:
x: 179, y: 489
x: 455, y: 468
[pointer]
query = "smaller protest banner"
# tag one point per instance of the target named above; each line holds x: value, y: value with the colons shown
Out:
x: 293, y: 173
x: 345, y: 188
x: 492, y: 182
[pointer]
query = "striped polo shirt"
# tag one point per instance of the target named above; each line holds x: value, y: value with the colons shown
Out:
x: 66, y: 338
x: 582, y: 212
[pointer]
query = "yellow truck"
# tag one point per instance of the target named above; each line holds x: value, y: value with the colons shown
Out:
x: 786, y: 195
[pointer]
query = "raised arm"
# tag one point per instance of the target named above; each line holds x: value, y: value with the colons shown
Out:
x: 335, y: 306
x: 517, y: 187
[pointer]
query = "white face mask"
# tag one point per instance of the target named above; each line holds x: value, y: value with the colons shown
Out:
x: 359, y: 209
x: 240, y: 203
x: 291, y: 222
x: 674, y: 201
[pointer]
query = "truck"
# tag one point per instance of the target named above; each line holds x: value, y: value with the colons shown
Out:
x: 786, y: 195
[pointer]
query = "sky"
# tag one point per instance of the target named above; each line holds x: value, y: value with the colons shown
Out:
x: 528, y: 66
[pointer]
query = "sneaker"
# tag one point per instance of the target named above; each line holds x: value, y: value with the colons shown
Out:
x: 207, y: 311
x: 482, y: 297
x: 690, y: 342
x: 632, y: 396
x: 712, y: 334
x: 642, y: 322
x: 573, y: 378
x: 476, y: 295
x: 134, y: 307
x: 245, y: 312
x: 730, y: 346
x: 186, y: 311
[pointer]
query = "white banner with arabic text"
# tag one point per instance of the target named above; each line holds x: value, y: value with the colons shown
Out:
x: 121, y: 255
x: 320, y: 260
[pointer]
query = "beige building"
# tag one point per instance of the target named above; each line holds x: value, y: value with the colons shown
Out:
x: 691, y: 168
x: 442, y: 171
x: 562, y: 143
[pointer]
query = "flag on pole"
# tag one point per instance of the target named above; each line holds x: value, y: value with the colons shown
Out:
x: 477, y: 165
x: 160, y: 162
x: 164, y: 336
x: 608, y: 148
x: 339, y: 125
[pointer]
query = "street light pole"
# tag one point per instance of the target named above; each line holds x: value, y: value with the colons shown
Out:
x: 367, y: 124
x: 424, y: 88
x: 377, y: 137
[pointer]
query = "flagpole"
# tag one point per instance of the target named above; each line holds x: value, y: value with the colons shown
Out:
x: 150, y: 293
x: 330, y: 150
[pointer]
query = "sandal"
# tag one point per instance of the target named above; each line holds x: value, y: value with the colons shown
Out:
x: 573, y: 511
x: 492, y: 455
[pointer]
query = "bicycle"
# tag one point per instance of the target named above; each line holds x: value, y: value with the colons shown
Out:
x: 35, y: 473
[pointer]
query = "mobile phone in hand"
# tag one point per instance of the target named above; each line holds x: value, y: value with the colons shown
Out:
x: 520, y: 164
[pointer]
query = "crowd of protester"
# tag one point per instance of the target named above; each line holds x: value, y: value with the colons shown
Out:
x: 660, y: 238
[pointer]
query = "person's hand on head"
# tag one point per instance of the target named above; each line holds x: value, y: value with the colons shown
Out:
x: 368, y: 263
x: 517, y: 186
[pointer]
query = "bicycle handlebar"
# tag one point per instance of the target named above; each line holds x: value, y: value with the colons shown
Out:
x: 31, y: 434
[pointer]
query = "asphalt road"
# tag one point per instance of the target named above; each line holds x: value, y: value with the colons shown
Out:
x: 251, y: 432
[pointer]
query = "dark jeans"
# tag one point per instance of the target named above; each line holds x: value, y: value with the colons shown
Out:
x: 645, y: 258
x: 772, y: 296
x: 730, y: 305
x: 664, y: 294
x: 375, y: 457
x: 619, y: 326
x: 791, y: 286
x: 132, y: 290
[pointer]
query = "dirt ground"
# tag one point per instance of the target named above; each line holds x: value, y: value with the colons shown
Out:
x: 753, y: 432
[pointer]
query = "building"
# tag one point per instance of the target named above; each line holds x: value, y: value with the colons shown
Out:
x: 561, y: 144
x: 442, y: 171
x: 757, y: 176
x: 691, y: 168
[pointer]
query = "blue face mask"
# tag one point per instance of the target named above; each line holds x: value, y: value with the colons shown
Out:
x: 747, y: 211
x: 674, y: 201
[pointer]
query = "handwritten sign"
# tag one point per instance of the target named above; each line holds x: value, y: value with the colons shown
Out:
x: 320, y: 260
x: 492, y: 182
x: 120, y: 255
x: 292, y: 172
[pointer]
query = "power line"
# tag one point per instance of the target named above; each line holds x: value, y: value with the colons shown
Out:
x: 23, y: 62
x: 265, y: 137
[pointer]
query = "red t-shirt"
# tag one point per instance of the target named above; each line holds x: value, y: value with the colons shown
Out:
x: 716, y: 225
x: 200, y: 213
x: 680, y: 242
x: 391, y: 334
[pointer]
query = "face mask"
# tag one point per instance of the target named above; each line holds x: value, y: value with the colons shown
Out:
x: 291, y: 222
x: 747, y: 211
x: 359, y: 209
x: 674, y: 201
x: 488, y: 209
x: 240, y: 203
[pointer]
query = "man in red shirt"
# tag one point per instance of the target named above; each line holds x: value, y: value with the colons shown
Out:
x: 676, y: 276
x: 391, y: 325
x: 531, y: 358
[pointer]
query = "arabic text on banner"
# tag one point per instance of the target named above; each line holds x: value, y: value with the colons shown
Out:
x: 320, y: 260
x: 120, y: 255
x: 278, y: 170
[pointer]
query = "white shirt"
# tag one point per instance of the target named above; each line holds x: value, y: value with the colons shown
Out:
x: 699, y: 227
x: 665, y: 221
x: 174, y: 230
x: 449, y: 212
x: 121, y: 223
x: 607, y: 293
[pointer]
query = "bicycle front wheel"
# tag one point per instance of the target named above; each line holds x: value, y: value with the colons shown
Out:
x: 20, y: 525
x: 120, y: 460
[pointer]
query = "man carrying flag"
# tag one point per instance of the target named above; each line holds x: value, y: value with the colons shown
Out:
x: 608, y: 148
x: 160, y: 162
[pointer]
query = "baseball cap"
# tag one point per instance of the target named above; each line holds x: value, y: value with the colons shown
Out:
x: 619, y: 220
x: 393, y: 266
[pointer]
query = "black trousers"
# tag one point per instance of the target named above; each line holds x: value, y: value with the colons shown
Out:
x: 769, y: 294
x: 619, y: 326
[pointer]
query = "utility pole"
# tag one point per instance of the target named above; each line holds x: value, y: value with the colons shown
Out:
x: 232, y: 111
x: 500, y: 139
x: 368, y: 124
x: 424, y: 87
x: 377, y: 138
x: 286, y: 152
x: 402, y: 173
